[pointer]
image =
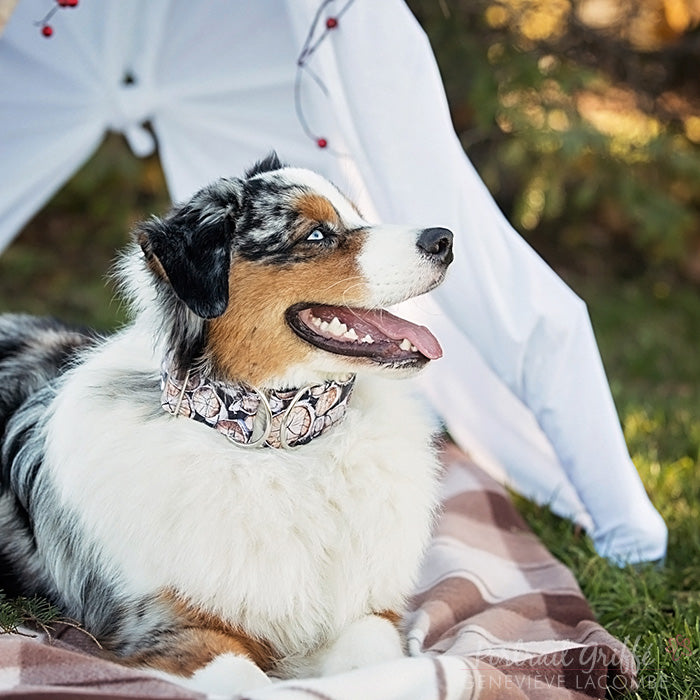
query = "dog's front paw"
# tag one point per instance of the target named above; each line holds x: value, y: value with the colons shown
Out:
x: 367, y: 641
x: 226, y: 676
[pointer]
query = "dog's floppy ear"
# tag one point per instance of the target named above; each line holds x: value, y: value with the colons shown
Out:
x: 192, y: 246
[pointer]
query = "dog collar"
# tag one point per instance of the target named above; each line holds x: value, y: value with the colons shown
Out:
x: 250, y: 417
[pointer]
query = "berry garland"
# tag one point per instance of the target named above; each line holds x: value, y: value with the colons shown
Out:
x: 46, y: 28
x: 310, y: 46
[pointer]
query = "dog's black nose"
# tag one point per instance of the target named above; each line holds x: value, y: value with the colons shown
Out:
x: 437, y: 243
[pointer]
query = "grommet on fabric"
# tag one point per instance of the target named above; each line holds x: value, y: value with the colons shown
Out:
x: 132, y: 106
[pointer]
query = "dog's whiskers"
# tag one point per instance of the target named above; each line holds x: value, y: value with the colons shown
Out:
x: 343, y: 281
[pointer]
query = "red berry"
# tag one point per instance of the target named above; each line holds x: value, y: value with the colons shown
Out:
x: 67, y: 3
x: 47, y: 30
x: 321, y: 143
x: 331, y: 23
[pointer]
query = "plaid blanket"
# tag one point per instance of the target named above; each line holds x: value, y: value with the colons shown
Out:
x: 494, y: 616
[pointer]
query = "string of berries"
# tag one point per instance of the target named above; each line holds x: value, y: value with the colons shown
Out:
x: 310, y: 46
x: 46, y: 28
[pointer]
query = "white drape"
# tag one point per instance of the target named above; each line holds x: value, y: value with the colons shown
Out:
x: 521, y: 384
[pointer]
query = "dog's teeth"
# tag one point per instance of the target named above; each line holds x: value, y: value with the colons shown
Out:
x: 405, y: 344
x: 324, y: 325
x: 336, y: 327
x: 368, y: 339
x: 351, y: 334
x: 414, y: 348
x: 316, y: 321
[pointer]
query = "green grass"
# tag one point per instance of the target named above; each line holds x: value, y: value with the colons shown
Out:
x: 59, y: 264
x: 649, y: 335
x: 16, y: 612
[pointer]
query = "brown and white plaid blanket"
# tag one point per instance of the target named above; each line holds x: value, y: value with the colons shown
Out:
x: 495, y: 616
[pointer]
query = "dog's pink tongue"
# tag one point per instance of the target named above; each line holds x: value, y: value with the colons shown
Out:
x: 398, y: 328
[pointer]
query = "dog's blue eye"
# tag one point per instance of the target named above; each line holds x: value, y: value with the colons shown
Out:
x: 316, y: 235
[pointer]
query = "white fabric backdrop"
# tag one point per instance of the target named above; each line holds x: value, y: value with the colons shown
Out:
x: 521, y: 384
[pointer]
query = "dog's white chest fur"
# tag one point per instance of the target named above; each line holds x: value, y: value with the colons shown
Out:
x: 291, y: 545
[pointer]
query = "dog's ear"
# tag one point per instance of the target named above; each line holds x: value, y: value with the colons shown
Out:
x: 269, y: 163
x: 192, y: 246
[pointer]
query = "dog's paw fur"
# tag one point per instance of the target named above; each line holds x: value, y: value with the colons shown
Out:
x: 367, y: 641
x: 226, y: 676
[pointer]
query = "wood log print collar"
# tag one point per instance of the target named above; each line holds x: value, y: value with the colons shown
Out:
x: 250, y: 417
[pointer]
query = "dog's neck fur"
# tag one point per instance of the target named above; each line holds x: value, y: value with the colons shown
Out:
x: 252, y: 417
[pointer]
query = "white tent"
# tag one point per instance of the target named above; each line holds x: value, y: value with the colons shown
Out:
x: 521, y: 386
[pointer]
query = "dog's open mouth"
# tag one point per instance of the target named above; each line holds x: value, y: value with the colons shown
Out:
x: 372, y: 333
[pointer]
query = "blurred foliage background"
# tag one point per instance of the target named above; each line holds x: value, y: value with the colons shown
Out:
x: 59, y: 264
x: 583, y: 118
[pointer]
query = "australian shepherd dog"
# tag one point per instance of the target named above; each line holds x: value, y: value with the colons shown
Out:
x: 233, y: 487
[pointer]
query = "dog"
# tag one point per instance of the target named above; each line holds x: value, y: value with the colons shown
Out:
x: 233, y: 487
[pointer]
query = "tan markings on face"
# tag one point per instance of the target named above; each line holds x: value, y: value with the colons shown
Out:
x: 251, y: 341
x: 316, y: 208
x: 197, y: 640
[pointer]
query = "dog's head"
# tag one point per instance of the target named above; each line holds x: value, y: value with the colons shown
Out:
x: 276, y: 278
